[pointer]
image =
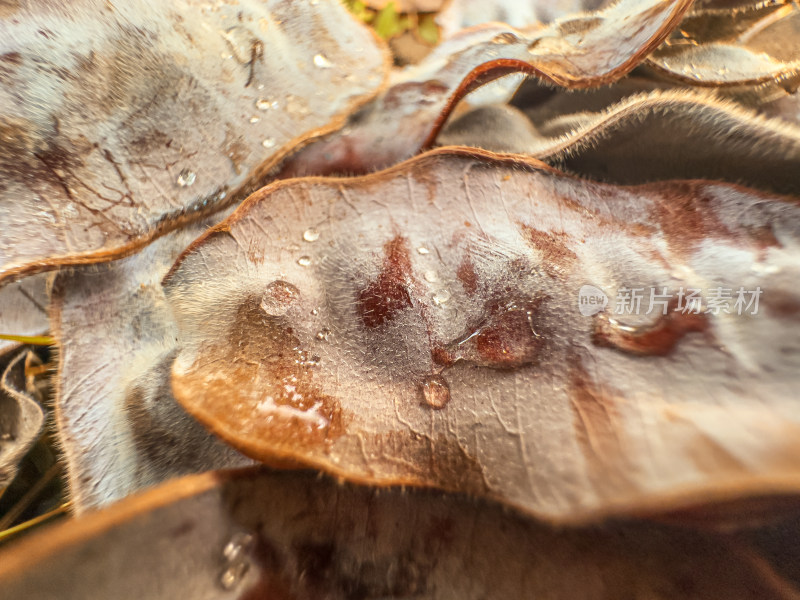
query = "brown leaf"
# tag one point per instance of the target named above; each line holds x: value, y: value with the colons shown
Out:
x: 737, y: 48
x: 118, y: 425
x: 21, y: 418
x: 421, y: 325
x: 259, y: 534
x: 644, y: 138
x: 119, y: 122
x: 590, y: 50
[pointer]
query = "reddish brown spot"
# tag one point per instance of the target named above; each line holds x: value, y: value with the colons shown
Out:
x: 657, y: 339
x: 442, y: 356
x: 686, y: 216
x: 781, y: 304
x: 557, y: 257
x: 390, y: 293
x: 12, y: 58
x: 466, y: 274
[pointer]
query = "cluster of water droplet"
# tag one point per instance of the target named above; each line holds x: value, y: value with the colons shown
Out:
x: 237, y: 562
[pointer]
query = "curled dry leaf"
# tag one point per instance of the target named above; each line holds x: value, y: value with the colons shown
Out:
x: 21, y: 418
x: 119, y: 427
x: 23, y: 310
x: 259, y: 534
x: 648, y: 137
x: 121, y: 120
x: 736, y: 48
x: 421, y: 326
x: 589, y: 50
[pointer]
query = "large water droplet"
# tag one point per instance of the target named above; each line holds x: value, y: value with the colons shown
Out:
x: 323, y: 335
x: 435, y: 391
x: 506, y: 340
x: 279, y: 297
x: 322, y: 62
x: 268, y: 143
x: 304, y: 261
x: 311, y: 235
x: 186, y: 178
x: 423, y: 250
x: 431, y: 276
x: 441, y: 297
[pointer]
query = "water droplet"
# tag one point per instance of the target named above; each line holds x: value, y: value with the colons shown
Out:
x: 431, y: 276
x: 304, y: 261
x: 186, y: 178
x: 233, y: 575
x: 311, y: 235
x: 279, y: 297
x: 441, y: 297
x: 315, y: 311
x: 322, y: 62
x: 238, y: 546
x: 323, y: 335
x: 264, y: 104
x: 435, y: 391
x: 423, y: 250
x: 507, y: 339
x: 255, y: 119
x: 268, y: 143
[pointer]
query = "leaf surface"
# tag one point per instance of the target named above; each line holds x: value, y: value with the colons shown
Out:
x: 590, y: 50
x: 421, y: 325
x: 119, y: 427
x: 122, y: 120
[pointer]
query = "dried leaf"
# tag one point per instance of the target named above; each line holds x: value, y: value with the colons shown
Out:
x: 744, y: 48
x: 23, y: 310
x: 118, y: 425
x: 121, y: 121
x: 21, y: 418
x: 589, y: 50
x: 644, y: 138
x: 421, y: 325
x: 255, y: 535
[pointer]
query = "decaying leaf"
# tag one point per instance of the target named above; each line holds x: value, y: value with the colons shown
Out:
x: 734, y: 48
x: 589, y: 50
x: 119, y: 427
x: 21, y: 418
x: 119, y: 121
x: 646, y: 137
x: 422, y: 326
x: 259, y: 534
x: 23, y: 310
